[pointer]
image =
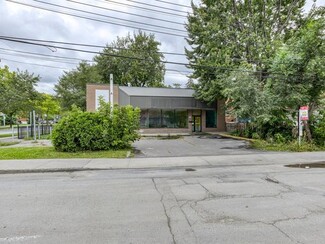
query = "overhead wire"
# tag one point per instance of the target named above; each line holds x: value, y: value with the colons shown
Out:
x: 128, y: 13
x: 212, y: 68
x: 97, y: 20
x: 42, y: 55
x: 176, y: 4
x: 146, y: 9
x: 81, y: 44
x: 107, y: 16
x: 155, y: 6
x: 42, y: 65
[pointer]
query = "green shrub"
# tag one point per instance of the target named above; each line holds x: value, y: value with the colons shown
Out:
x: 318, y: 128
x: 279, y: 138
x: 82, y: 131
x: 256, y: 135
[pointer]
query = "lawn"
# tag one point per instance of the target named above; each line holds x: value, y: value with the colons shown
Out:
x: 5, y: 135
x: 292, y: 146
x: 49, y: 153
x: 4, y: 144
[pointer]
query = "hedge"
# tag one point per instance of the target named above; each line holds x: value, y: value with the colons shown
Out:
x: 101, y: 130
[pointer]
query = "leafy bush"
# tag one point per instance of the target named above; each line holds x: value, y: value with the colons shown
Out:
x: 256, y: 136
x: 275, y: 128
x: 318, y: 128
x: 81, y: 131
x: 279, y: 138
x: 289, y: 146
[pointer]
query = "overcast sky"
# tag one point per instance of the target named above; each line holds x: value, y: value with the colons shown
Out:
x: 164, y: 18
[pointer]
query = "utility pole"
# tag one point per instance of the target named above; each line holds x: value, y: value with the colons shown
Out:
x: 34, y: 125
x: 111, y: 101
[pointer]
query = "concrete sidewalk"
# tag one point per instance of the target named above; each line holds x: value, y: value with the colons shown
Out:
x: 68, y: 165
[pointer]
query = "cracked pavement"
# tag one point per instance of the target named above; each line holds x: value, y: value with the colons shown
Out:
x: 242, y: 204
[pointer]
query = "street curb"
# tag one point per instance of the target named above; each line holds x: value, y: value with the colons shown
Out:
x: 70, y: 170
x: 236, y: 137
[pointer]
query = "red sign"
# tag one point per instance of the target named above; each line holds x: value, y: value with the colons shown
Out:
x: 303, y: 113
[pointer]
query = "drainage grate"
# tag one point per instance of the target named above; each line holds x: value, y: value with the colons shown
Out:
x: 190, y: 169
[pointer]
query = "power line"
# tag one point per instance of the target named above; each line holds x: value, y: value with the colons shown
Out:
x: 214, y: 68
x: 102, y: 21
x: 42, y: 65
x: 155, y: 6
x: 107, y: 16
x: 147, y: 9
x: 44, y: 55
x: 177, y: 4
x: 70, y: 49
x: 81, y: 44
x: 123, y: 12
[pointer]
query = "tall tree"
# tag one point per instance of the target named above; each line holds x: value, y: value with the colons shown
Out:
x: 224, y: 35
x: 71, y: 88
x: 18, y: 92
x: 301, y: 64
x: 47, y: 106
x: 133, y: 59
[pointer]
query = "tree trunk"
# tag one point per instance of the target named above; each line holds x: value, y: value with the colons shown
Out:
x: 308, y: 132
x: 306, y: 123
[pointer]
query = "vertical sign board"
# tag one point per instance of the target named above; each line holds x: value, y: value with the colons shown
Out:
x: 303, y: 113
x: 104, y: 94
x: 303, y: 116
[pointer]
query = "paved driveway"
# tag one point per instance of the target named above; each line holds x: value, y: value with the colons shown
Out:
x: 202, y: 145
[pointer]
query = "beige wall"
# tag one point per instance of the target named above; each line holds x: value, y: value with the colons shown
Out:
x: 91, y: 95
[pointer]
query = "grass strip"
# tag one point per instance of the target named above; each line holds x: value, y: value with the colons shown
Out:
x: 292, y: 146
x: 4, y: 144
x: 50, y: 153
x: 5, y: 135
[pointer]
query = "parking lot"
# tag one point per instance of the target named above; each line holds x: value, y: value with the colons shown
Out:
x: 198, y: 145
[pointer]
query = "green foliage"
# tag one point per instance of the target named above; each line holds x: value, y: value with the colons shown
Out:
x: 47, y: 106
x: 274, y: 128
x: 71, y: 88
x: 133, y: 59
x: 291, y: 146
x: 318, y: 128
x: 301, y: 63
x: 255, y: 135
x: 265, y: 57
x: 17, y: 91
x: 50, y: 152
x: 225, y: 35
x: 80, y: 131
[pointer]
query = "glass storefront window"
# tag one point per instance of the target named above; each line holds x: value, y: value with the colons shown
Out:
x: 211, y: 119
x: 154, y: 118
x: 181, y: 119
x: 168, y: 118
x: 144, y: 119
x: 160, y: 118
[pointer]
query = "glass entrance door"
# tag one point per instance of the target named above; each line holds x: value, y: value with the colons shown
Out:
x: 197, y: 124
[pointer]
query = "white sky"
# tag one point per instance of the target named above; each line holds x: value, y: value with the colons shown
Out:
x: 27, y: 22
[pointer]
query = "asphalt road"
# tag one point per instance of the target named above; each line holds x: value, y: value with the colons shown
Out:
x: 243, y: 204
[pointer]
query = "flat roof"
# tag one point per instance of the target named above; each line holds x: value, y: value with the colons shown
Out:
x: 157, y: 91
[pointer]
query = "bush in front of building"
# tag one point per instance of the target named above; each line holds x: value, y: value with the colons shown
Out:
x: 101, y: 130
x: 318, y: 127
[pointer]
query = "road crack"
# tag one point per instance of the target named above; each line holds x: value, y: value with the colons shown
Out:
x: 165, y: 210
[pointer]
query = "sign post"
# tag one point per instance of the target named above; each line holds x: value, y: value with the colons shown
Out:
x: 303, y: 116
x: 111, y: 93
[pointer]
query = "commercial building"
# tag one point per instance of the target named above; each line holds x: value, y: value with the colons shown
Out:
x: 169, y: 110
